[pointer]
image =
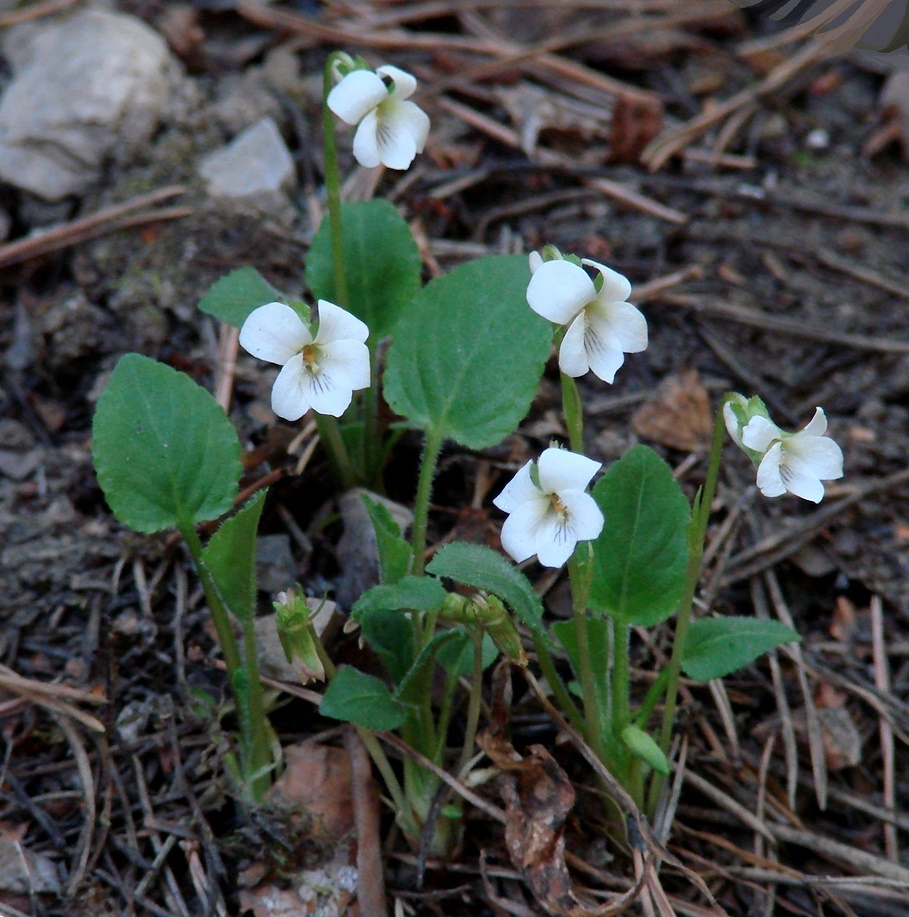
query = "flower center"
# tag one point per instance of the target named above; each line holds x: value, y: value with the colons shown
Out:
x: 561, y: 510
x: 311, y: 358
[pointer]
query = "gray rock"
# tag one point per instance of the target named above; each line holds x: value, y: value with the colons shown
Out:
x: 257, y: 162
x: 85, y: 88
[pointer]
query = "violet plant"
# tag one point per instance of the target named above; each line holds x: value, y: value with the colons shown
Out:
x: 464, y: 358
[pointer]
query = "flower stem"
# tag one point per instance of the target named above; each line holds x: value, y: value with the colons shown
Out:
x: 697, y: 533
x: 621, y: 682
x: 473, y: 704
x: 333, y: 185
x: 338, y: 457
x: 421, y: 506
x: 579, y: 576
x: 556, y: 685
x: 242, y: 673
x: 574, y: 413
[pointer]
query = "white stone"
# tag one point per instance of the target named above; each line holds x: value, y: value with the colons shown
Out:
x: 86, y: 87
x: 256, y: 162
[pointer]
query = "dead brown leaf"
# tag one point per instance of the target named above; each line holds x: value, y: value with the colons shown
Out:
x: 538, y: 797
x: 678, y: 416
x: 317, y: 783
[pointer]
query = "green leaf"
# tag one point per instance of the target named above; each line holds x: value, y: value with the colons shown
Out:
x: 394, y: 551
x: 381, y: 262
x: 642, y: 745
x: 412, y: 593
x: 598, y: 642
x: 391, y: 635
x: 362, y: 699
x: 230, y: 556
x: 479, y: 566
x: 457, y: 657
x: 466, y: 359
x: 234, y: 296
x: 640, y: 557
x: 717, y: 646
x: 164, y: 451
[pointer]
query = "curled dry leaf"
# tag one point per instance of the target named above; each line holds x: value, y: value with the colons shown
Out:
x: 538, y: 797
x: 679, y: 414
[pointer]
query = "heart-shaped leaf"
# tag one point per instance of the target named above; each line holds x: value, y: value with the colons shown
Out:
x: 467, y: 357
x: 165, y: 453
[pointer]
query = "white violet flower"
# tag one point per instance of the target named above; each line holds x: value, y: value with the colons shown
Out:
x: 548, y: 509
x: 390, y: 129
x: 793, y: 462
x: 320, y: 372
x: 602, y: 325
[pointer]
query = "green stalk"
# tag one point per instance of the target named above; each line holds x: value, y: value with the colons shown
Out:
x: 250, y: 700
x: 574, y: 413
x: 696, y: 536
x: 556, y: 685
x: 578, y: 575
x: 333, y: 185
x: 421, y: 506
x: 621, y: 681
x: 372, y: 452
x: 474, y: 703
x: 338, y: 456
x: 219, y: 613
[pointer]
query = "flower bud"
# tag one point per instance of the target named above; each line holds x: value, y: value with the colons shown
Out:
x: 297, y: 637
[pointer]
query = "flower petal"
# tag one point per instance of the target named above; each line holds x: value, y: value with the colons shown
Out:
x: 356, y: 95
x: 615, y: 287
x: 799, y: 479
x: 405, y: 83
x: 817, y: 455
x: 759, y: 433
x: 520, y: 533
x: 572, y: 352
x: 817, y: 426
x: 274, y: 332
x: 536, y: 261
x: 395, y: 145
x: 558, y: 290
x: 328, y: 390
x: 407, y: 118
x: 366, y: 141
x: 349, y: 359
x: 337, y: 324
x: 621, y: 323
x: 732, y: 425
x: 556, y: 540
x: 584, y: 516
x: 288, y: 395
x: 563, y: 470
x: 518, y: 491
x: 769, y: 478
